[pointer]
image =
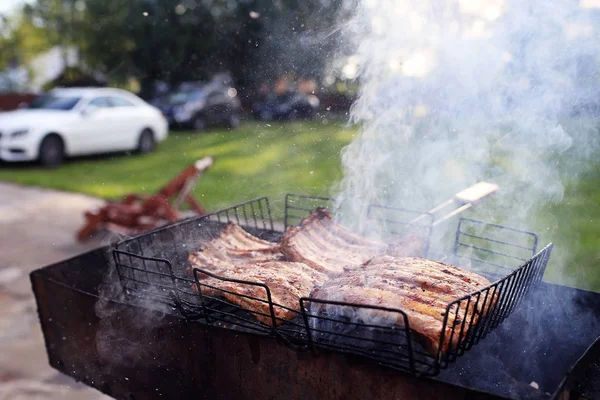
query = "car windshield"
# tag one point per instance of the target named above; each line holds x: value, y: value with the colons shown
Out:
x: 54, y: 103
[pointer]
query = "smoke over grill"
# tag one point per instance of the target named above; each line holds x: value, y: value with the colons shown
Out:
x: 455, y: 92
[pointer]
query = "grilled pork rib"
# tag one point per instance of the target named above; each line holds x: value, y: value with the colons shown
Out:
x: 236, y: 254
x: 327, y: 246
x: 287, y: 282
x: 234, y: 236
x: 234, y: 246
x: 214, y: 256
x: 322, y: 259
x: 420, y: 288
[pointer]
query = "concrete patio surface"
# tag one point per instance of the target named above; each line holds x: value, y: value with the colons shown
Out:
x: 37, y: 228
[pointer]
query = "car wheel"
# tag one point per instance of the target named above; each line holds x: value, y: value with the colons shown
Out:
x: 52, y: 151
x: 199, y: 124
x: 146, y: 142
x: 233, y: 122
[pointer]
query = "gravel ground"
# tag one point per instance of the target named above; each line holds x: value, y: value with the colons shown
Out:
x: 37, y: 228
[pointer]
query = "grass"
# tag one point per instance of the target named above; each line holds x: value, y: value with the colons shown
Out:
x: 577, y: 220
x: 256, y: 160
x: 273, y: 159
x: 572, y: 226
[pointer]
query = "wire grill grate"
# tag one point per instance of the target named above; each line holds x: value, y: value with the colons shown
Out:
x: 154, y: 267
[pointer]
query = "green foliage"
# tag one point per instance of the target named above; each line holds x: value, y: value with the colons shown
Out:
x: 176, y: 41
x: 21, y: 40
x: 577, y: 218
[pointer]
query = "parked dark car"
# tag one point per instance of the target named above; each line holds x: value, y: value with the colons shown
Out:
x: 200, y: 107
x: 286, y: 106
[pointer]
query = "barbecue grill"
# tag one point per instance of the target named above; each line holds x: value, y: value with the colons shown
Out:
x: 151, y: 323
x: 149, y: 270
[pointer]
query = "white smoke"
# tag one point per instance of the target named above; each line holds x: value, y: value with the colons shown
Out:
x: 458, y: 91
x: 453, y: 92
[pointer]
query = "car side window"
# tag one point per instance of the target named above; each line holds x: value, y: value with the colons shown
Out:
x: 120, y: 102
x: 100, y: 102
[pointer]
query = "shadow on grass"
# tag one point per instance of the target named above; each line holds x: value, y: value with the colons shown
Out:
x: 70, y: 160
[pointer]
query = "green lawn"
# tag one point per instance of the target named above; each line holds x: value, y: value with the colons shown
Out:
x: 577, y: 220
x: 573, y: 226
x: 256, y: 160
x: 274, y: 159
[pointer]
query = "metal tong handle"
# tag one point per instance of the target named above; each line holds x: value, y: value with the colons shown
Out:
x: 466, y: 198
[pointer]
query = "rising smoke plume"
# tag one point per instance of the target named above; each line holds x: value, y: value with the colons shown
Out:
x: 453, y: 92
x: 458, y: 91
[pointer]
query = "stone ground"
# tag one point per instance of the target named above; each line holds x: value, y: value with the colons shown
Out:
x: 37, y: 228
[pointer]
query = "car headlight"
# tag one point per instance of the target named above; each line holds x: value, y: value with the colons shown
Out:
x: 19, y: 133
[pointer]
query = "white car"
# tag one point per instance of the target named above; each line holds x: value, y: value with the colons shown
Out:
x: 72, y: 122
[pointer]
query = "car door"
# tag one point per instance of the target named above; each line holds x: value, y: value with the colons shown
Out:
x: 94, y: 135
x: 130, y: 120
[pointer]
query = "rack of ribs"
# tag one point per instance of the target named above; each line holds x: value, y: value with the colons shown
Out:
x: 327, y: 246
x: 421, y: 288
x: 287, y: 283
x: 237, y: 255
x: 234, y: 246
x: 322, y: 259
x: 330, y: 247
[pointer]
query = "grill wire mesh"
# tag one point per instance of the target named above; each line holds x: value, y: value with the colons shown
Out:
x: 153, y: 271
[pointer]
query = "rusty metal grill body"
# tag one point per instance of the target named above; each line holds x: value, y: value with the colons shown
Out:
x: 134, y: 352
x: 153, y: 270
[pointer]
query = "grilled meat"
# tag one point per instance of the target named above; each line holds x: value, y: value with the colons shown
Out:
x: 234, y: 237
x: 236, y: 254
x: 327, y: 246
x: 287, y: 282
x: 322, y: 259
x: 234, y: 246
x: 216, y: 257
x: 420, y: 288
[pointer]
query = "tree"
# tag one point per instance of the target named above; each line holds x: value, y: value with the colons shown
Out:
x: 21, y: 40
x: 181, y: 40
x: 60, y: 20
x: 150, y: 40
